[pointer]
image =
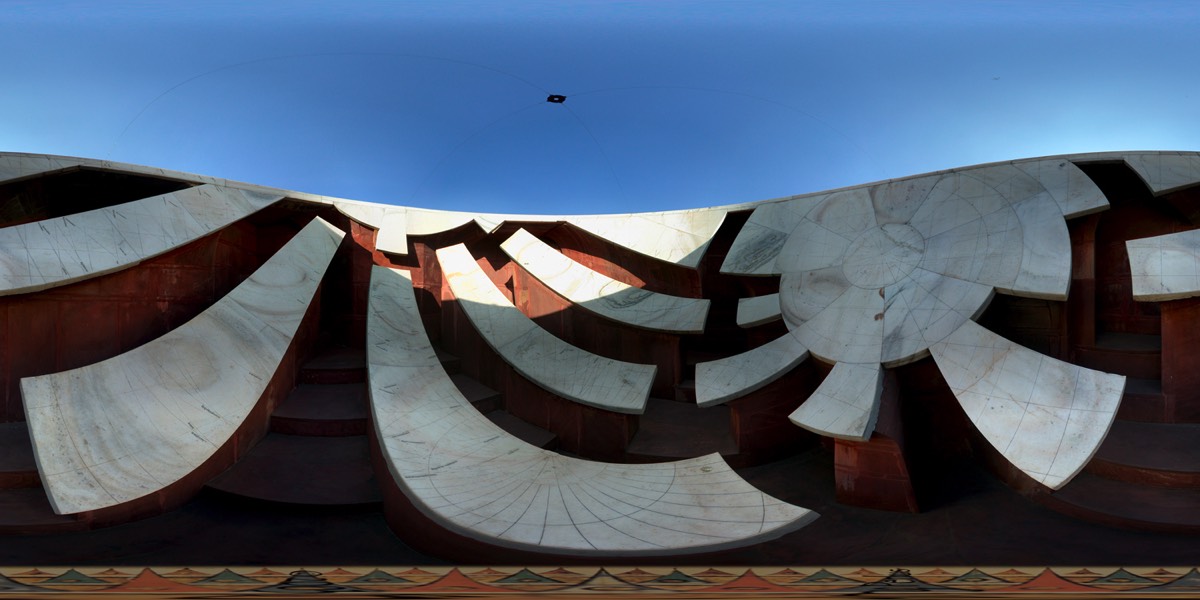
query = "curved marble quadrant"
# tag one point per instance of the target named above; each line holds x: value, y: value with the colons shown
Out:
x: 468, y: 475
x: 1047, y: 417
x: 678, y: 236
x: 719, y: 381
x: 1166, y: 171
x: 16, y: 166
x: 563, y: 369
x: 391, y: 222
x: 758, y: 310
x: 62, y: 250
x: 845, y: 405
x: 129, y: 426
x: 1165, y: 267
x: 603, y: 295
x: 1030, y: 187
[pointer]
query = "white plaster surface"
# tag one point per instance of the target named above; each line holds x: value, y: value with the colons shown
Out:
x: 1047, y: 417
x: 472, y: 477
x: 62, y: 250
x: 129, y: 426
x: 565, y: 370
x: 602, y: 295
x: 1165, y: 267
x: 725, y: 379
x: 1166, y: 171
x: 758, y: 310
x: 845, y: 405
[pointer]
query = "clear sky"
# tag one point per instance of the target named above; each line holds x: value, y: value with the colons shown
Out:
x: 670, y: 104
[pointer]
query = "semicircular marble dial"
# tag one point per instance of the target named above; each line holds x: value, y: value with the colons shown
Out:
x: 878, y: 276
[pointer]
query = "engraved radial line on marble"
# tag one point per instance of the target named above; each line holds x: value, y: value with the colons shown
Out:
x: 1050, y: 427
x: 596, y: 499
x: 222, y: 358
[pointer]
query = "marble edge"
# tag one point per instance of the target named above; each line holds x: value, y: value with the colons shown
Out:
x: 751, y: 313
x: 646, y: 371
x: 98, y: 272
x: 698, y: 307
x: 332, y: 231
x: 804, y: 517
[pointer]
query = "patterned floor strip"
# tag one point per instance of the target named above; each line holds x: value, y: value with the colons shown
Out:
x: 614, y: 581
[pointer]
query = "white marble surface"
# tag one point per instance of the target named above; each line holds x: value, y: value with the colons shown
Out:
x: 679, y: 237
x: 53, y: 252
x: 846, y: 404
x: 563, y: 369
x: 875, y: 275
x: 391, y: 223
x: 129, y: 426
x: 675, y: 236
x: 1047, y: 417
x: 1074, y: 192
x: 758, y: 310
x: 1165, y: 267
x: 878, y: 274
x: 763, y: 236
x: 719, y: 381
x: 1166, y: 171
x: 602, y: 295
x: 16, y: 166
x: 473, y: 478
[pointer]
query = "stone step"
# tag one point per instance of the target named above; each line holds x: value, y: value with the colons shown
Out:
x: 27, y: 511
x: 1128, y: 505
x: 526, y: 432
x: 685, y: 391
x: 451, y: 363
x: 670, y: 430
x: 1129, y: 354
x: 335, y: 365
x: 1163, y: 454
x: 1143, y: 401
x: 323, y: 410
x: 18, y: 468
x: 482, y: 397
x: 304, y: 470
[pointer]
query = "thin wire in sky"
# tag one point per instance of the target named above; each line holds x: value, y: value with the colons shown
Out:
x: 467, y: 139
x: 870, y: 156
x: 227, y: 67
x: 612, y: 171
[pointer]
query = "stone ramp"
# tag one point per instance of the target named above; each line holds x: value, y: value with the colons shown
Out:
x: 601, y: 295
x: 468, y: 475
x: 131, y: 426
x: 1046, y: 417
x: 62, y: 250
x: 719, y: 381
x: 561, y: 368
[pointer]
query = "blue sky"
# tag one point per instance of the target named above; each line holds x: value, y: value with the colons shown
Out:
x: 671, y: 104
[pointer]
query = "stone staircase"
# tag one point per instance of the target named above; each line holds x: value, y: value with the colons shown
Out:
x: 24, y: 507
x: 1144, y: 476
x: 316, y: 452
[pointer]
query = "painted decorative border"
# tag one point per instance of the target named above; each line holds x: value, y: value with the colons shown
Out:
x: 549, y: 582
